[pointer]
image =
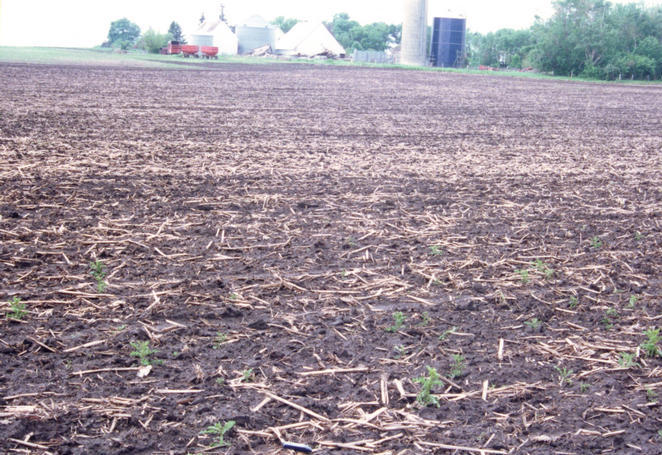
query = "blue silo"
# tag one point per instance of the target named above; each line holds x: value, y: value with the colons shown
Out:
x: 447, y: 48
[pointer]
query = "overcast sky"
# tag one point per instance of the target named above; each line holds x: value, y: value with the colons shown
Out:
x: 85, y: 23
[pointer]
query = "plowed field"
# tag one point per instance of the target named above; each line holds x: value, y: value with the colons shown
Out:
x: 306, y: 251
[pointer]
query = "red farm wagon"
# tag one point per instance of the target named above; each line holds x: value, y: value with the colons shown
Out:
x: 209, y: 51
x: 189, y: 50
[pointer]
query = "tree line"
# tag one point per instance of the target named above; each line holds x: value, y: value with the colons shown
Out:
x: 586, y: 38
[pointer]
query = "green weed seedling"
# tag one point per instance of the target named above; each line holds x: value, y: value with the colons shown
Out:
x: 524, y: 275
x: 632, y: 301
x: 457, y: 367
x: 400, y: 351
x: 650, y: 346
x: 534, y: 324
x: 425, y: 396
x: 247, y: 375
x: 399, y: 320
x: 651, y: 395
x: 574, y: 301
x: 444, y: 335
x: 17, y: 309
x: 426, y: 319
x: 435, y: 250
x: 143, y: 352
x: 99, y: 274
x: 638, y: 236
x: 596, y: 242
x: 627, y: 360
x: 659, y: 434
x: 564, y: 375
x: 219, y: 430
x: 219, y: 339
x: 544, y: 269
x: 584, y: 387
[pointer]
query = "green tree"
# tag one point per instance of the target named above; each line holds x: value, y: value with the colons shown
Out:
x: 152, y: 41
x: 176, y: 32
x: 123, y: 33
x: 285, y: 24
x: 351, y: 35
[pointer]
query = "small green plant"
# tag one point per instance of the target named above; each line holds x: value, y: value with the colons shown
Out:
x: 219, y: 430
x: 607, y: 323
x: 425, y: 396
x: 564, y: 375
x: 99, y: 274
x: 574, y: 301
x: 544, y: 269
x: 457, y: 367
x: 234, y: 296
x: 220, y: 381
x: 651, y: 395
x: 175, y: 354
x: 426, y: 319
x: 444, y: 335
x: 596, y: 242
x: 435, y: 250
x: 398, y: 321
x: 659, y: 434
x: 534, y: 324
x: 584, y: 387
x: 638, y: 236
x: 524, y: 275
x: 650, y: 346
x: 17, y: 309
x: 351, y: 242
x: 143, y: 352
x: 632, y: 301
x: 219, y: 339
x: 626, y: 360
x: 400, y: 351
x: 247, y: 375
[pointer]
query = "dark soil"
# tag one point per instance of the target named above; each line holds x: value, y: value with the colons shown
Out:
x: 260, y: 226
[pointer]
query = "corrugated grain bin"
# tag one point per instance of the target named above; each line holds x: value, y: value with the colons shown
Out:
x: 255, y: 33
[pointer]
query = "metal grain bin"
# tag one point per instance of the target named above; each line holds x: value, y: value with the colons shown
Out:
x: 447, y: 48
x: 255, y: 33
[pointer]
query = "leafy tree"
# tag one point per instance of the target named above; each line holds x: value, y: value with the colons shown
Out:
x: 591, y: 38
x: 123, y: 33
x: 152, y: 41
x: 352, y: 35
x: 285, y: 24
x: 176, y: 32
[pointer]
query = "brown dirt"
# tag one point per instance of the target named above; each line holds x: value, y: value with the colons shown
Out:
x: 295, y: 209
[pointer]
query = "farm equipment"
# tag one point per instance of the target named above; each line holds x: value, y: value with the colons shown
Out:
x: 173, y: 48
x: 209, y: 52
x: 190, y: 50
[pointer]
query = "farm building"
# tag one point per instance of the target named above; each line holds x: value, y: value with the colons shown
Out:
x: 255, y: 33
x: 309, y: 39
x: 215, y: 33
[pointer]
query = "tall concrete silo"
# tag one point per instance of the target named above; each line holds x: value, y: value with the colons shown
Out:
x: 414, y: 32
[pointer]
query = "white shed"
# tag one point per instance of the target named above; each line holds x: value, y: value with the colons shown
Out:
x: 309, y: 39
x: 215, y: 33
x: 222, y: 36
